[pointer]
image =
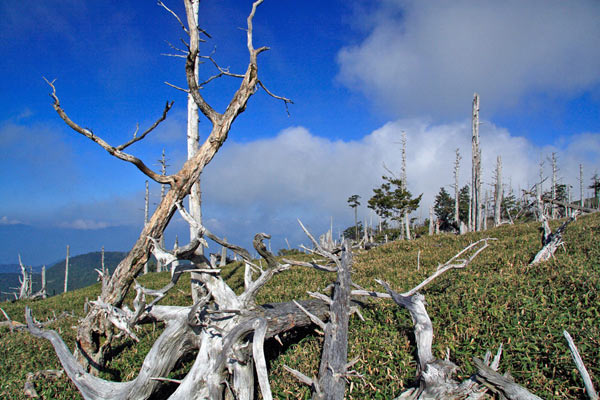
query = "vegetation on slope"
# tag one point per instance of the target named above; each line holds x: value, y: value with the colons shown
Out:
x: 498, y: 299
x: 81, y: 274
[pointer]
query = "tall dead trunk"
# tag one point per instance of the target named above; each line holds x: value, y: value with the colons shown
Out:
x: 431, y: 223
x: 539, y: 193
x: 404, y: 178
x: 163, y: 172
x: 66, y: 271
x: 498, y: 192
x: 146, y: 210
x: 456, y: 188
x: 581, y: 198
x: 223, y: 260
x: 476, y: 167
x: 193, y: 143
x: 94, y: 325
x: 554, y: 170
x: 43, y: 289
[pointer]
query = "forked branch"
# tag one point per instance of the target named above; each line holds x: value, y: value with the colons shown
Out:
x: 112, y: 150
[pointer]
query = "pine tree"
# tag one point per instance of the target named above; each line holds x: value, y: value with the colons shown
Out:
x: 444, y: 210
x: 390, y: 201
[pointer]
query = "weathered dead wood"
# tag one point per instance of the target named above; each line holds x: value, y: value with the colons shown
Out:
x: 93, y: 327
x: 222, y: 326
x: 587, y: 381
x: 47, y: 374
x: 333, y: 370
x: 506, y: 385
x: 476, y: 195
x: 551, y: 241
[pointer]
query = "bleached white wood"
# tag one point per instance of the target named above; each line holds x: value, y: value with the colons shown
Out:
x: 66, y: 271
x: 587, y: 381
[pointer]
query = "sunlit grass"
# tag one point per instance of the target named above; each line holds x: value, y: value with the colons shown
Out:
x: 497, y: 299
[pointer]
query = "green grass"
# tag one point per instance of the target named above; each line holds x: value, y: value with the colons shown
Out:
x: 497, y: 299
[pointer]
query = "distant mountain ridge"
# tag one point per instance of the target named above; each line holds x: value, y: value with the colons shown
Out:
x: 81, y: 273
x: 38, y: 244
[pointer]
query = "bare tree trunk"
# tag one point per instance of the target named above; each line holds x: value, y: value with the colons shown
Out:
x: 430, y: 220
x: 456, y: 188
x: 43, y: 289
x: 476, y: 168
x: 498, y: 194
x: 554, y: 170
x: 94, y: 326
x: 66, y: 271
x: 581, y: 198
x: 470, y: 224
x: 146, y: 209
x: 163, y: 171
x: 404, y: 184
x: 539, y: 192
x: 24, y: 289
x: 223, y: 261
x: 193, y: 143
x: 486, y: 203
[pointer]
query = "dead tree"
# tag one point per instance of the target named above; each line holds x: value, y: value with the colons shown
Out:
x: 404, y: 183
x: 66, y: 271
x: 587, y: 381
x: 24, y: 281
x: 551, y: 241
x: 193, y: 143
x: 334, y: 367
x: 226, y: 329
x: 476, y: 168
x: 436, y: 376
x: 456, y: 188
x: 554, y: 171
x: 431, y: 223
x: 180, y: 183
x: 163, y: 171
x: 498, y: 193
x: 146, y: 209
x: 581, y: 197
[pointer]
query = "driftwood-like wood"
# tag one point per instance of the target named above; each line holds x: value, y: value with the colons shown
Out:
x: 333, y: 370
x: 92, y: 328
x: 227, y: 331
x: 587, y: 381
x: 476, y: 169
x: 45, y: 375
x: 551, y: 241
x: 436, y: 376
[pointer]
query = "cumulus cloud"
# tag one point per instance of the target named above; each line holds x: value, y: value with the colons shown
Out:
x: 266, y: 184
x: 428, y: 56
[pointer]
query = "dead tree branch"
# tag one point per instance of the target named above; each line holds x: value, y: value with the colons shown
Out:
x: 112, y: 150
x: 587, y: 381
x: 551, y: 241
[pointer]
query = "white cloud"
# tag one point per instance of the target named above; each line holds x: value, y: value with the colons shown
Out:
x: 426, y: 57
x: 84, y: 224
x: 265, y: 185
x: 9, y: 221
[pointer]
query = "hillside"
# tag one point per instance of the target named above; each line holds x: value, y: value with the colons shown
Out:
x: 81, y: 274
x: 498, y: 299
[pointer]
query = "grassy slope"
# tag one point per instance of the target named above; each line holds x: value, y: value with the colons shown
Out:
x: 81, y: 274
x: 498, y: 299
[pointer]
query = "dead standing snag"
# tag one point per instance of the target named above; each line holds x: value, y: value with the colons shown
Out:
x: 113, y: 294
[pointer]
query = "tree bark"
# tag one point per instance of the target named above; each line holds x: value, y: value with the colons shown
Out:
x: 180, y: 183
x: 476, y: 167
x: 498, y: 193
x: 66, y: 271
x: 456, y: 189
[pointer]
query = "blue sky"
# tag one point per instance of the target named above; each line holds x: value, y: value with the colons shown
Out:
x: 358, y: 72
